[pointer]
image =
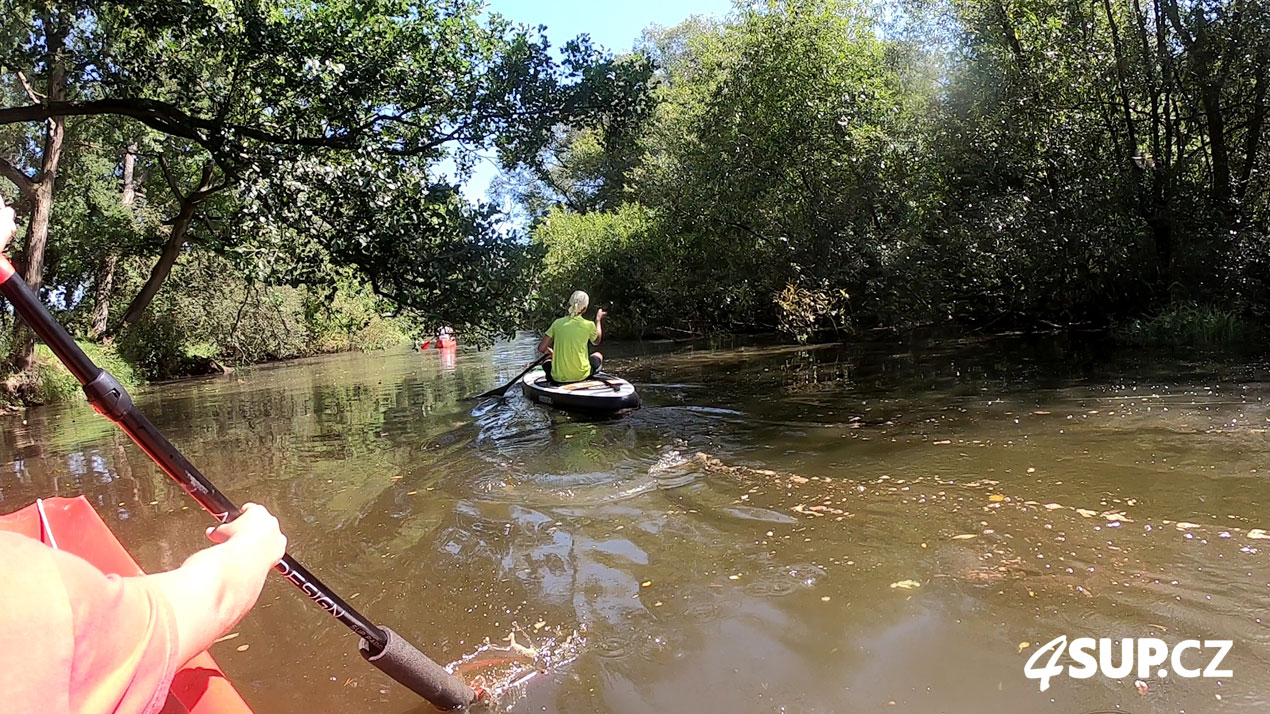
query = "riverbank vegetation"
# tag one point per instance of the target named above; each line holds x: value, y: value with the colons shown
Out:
x: 203, y: 181
x: 820, y: 166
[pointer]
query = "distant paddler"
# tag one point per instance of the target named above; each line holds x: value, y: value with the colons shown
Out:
x: 444, y: 338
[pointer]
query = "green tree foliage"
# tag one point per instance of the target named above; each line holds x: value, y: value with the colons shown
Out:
x: 1117, y: 145
x: 993, y: 162
x: 282, y: 133
x: 777, y: 156
x: 613, y: 255
x: 586, y: 167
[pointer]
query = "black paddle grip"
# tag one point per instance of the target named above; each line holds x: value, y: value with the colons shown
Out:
x: 403, y: 662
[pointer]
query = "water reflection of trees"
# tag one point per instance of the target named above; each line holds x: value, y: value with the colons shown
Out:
x: 316, y: 441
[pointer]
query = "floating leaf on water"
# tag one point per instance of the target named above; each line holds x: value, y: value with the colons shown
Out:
x: 1184, y: 526
x: 646, y: 583
x: 1086, y: 512
x: 1024, y: 645
x: 964, y: 536
x: 1141, y: 687
x: 242, y: 648
x: 943, y: 443
x: 539, y: 625
x: 1258, y: 534
x: 230, y: 636
x: 906, y: 584
x: 996, y: 498
x: 1053, y: 506
x: 798, y: 479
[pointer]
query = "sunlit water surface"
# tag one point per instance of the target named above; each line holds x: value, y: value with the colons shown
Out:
x: 887, y: 526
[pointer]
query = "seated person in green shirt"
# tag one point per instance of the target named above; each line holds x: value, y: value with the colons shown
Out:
x: 566, y: 342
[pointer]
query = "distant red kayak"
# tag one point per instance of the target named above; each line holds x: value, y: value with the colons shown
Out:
x: 71, y: 525
x: 443, y: 344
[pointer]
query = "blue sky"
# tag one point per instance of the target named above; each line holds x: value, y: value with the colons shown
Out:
x: 613, y: 25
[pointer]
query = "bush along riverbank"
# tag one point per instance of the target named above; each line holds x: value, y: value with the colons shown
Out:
x: 209, y: 320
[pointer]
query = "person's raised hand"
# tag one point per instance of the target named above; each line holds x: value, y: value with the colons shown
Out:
x: 599, y: 314
x: 255, y: 527
x: 8, y: 226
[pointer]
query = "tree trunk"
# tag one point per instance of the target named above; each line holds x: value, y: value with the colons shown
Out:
x: 23, y: 343
x: 176, y: 240
x: 1252, y: 149
x: 101, y: 295
x: 106, y: 275
x: 159, y: 273
x: 1215, y: 121
x: 1160, y: 221
x: 1209, y: 73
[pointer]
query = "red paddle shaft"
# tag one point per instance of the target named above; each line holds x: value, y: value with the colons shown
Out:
x: 381, y: 646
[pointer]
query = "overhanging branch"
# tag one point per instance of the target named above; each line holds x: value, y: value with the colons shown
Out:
x: 26, y: 186
x: 216, y: 135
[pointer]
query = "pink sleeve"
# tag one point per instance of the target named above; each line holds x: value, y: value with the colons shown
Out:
x: 125, y: 641
x: 113, y: 639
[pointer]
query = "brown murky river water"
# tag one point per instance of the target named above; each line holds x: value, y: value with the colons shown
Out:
x: 866, y: 528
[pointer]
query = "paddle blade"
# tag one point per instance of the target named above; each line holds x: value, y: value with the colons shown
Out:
x: 500, y: 391
x: 495, y: 392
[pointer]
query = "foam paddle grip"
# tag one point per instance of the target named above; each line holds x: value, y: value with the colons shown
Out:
x: 412, y: 668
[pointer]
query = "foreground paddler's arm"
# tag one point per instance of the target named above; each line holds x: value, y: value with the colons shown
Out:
x: 380, y: 645
x: 215, y: 588
x: 73, y: 638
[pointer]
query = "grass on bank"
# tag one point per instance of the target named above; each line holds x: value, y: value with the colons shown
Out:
x: 50, y: 381
x: 1188, y: 324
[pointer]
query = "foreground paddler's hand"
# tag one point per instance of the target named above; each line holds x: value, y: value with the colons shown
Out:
x: 599, y: 314
x: 8, y: 226
x: 215, y: 587
x: 257, y: 530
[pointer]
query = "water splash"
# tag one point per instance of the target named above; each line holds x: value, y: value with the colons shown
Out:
x: 500, y: 672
